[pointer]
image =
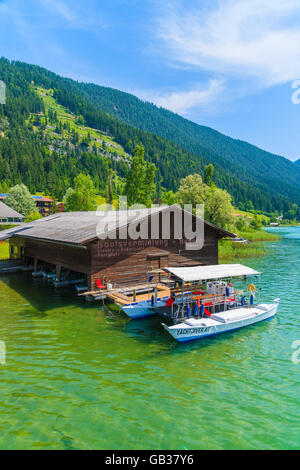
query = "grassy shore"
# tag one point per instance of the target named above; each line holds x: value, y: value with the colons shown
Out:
x: 257, y: 246
x: 294, y: 224
x: 259, y: 236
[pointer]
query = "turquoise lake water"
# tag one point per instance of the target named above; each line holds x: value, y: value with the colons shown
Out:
x: 78, y: 377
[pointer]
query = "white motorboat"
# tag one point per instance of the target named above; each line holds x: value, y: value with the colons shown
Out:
x: 226, y: 312
x: 196, y: 328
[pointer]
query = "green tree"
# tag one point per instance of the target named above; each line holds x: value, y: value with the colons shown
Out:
x: 241, y: 222
x: 20, y: 199
x: 140, y: 185
x: 5, y: 188
x: 218, y: 208
x: 80, y: 120
x: 149, y: 184
x: 33, y: 216
x: 169, y: 197
x: 208, y: 174
x: 83, y: 196
x: 292, y: 213
x: 69, y: 200
x: 217, y: 202
x: 109, y: 187
x: 255, y: 223
x: 249, y: 206
x: 134, y: 188
x: 192, y: 190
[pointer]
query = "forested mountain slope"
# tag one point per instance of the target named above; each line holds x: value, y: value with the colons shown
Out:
x: 177, y: 147
x: 243, y: 159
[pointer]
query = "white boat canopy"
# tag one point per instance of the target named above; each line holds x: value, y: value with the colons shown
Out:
x: 218, y: 271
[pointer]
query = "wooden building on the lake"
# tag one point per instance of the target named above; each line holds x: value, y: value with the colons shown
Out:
x: 75, y: 241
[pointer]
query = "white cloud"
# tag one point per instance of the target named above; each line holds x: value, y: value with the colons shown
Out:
x: 51, y: 15
x: 61, y: 9
x: 183, y: 101
x: 75, y: 15
x: 236, y: 38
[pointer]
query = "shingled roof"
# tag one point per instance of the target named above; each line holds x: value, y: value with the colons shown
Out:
x: 7, y: 212
x: 81, y: 227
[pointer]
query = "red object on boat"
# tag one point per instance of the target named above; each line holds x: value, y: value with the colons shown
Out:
x: 207, y: 312
x: 169, y: 302
x: 207, y: 304
x: 99, y: 284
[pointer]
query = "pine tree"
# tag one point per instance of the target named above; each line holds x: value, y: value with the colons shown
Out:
x: 208, y: 174
x: 134, y: 188
x: 140, y: 185
x: 109, y: 187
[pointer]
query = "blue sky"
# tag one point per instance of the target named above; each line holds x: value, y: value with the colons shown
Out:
x: 227, y: 64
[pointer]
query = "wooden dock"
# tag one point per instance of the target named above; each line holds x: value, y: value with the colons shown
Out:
x: 127, y: 295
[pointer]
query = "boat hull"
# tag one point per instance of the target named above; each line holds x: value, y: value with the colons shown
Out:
x: 144, y: 309
x: 191, y: 330
x: 137, y: 311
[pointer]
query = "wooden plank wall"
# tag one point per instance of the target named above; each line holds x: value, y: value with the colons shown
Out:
x: 126, y: 262
x: 73, y: 258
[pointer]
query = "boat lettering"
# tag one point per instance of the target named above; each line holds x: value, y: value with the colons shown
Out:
x: 190, y: 331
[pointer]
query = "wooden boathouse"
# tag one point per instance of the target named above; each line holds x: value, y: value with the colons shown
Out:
x: 119, y: 247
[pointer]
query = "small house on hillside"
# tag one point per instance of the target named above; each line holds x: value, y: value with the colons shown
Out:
x: 9, y: 215
x: 121, y: 247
